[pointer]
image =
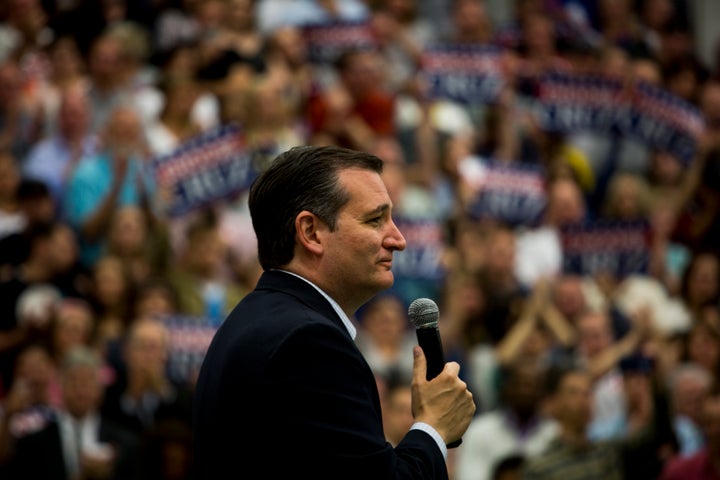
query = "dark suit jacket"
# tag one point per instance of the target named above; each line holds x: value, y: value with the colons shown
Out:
x: 39, y: 454
x: 284, y: 392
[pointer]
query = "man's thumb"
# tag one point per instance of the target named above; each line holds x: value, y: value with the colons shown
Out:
x: 419, y: 364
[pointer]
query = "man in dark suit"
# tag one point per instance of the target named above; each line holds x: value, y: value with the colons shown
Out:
x: 284, y: 391
x: 76, y: 442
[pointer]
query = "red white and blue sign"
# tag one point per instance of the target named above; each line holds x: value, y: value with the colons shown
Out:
x: 210, y: 167
x: 606, y: 247
x: 327, y: 41
x: 467, y: 74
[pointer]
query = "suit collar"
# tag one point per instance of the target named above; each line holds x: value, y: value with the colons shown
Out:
x: 307, y: 293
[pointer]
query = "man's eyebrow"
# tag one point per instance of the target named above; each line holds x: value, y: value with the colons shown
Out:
x: 378, y: 210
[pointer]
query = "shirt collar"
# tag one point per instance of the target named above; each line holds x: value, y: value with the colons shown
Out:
x: 343, y: 316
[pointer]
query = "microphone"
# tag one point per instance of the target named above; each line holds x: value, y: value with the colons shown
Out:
x: 424, y: 315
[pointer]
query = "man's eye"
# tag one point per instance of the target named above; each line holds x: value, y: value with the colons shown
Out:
x: 375, y: 220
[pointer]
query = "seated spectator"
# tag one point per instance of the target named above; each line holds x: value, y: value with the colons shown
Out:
x: 700, y: 282
x: 111, y: 297
x: 174, y: 124
x: 143, y: 394
x: 572, y: 454
x: 72, y: 325
x: 397, y: 408
x: 471, y: 23
x: 137, y: 241
x: 539, y: 249
x: 53, y: 159
x: 384, y: 336
x: 17, y: 113
x: 597, y: 350
x: 503, y: 288
x: 699, y: 215
x: 516, y: 427
x: 36, y: 206
x: 66, y: 73
x: 539, y: 331
x: 358, y: 108
x: 688, y: 385
x: 156, y: 298
x: 286, y: 59
x: 401, y: 34
x: 627, y: 198
x: 102, y: 183
x: 51, y: 254
x: 31, y: 396
x: 702, y: 342
x: 704, y: 465
x: 77, y: 440
x: 204, y: 286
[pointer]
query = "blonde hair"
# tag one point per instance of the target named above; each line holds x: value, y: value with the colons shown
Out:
x: 641, y: 188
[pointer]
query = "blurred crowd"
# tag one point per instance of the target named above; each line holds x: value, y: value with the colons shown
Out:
x: 575, y: 374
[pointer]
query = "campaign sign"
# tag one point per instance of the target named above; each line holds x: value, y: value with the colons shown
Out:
x: 665, y: 121
x: 617, y: 248
x: 422, y: 258
x: 603, y: 105
x: 576, y: 103
x: 205, y: 169
x: 511, y: 193
x: 189, y: 339
x: 327, y: 41
x: 468, y: 74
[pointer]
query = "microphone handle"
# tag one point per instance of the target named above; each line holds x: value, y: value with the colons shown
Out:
x: 429, y: 341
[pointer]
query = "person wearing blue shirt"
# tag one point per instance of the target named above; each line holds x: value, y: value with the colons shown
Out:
x: 112, y: 178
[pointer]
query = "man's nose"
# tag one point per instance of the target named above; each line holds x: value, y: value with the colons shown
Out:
x: 395, y: 240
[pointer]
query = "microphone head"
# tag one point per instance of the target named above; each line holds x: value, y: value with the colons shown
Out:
x: 423, y: 313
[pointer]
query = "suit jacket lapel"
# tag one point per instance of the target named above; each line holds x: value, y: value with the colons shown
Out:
x: 300, y: 289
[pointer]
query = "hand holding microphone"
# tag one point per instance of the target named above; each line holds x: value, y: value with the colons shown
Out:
x: 448, y: 400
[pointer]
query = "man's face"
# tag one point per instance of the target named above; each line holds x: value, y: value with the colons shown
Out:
x: 82, y: 390
x: 74, y: 115
x: 594, y: 334
x: 357, y: 259
x: 123, y: 133
x: 573, y: 401
x: 147, y: 350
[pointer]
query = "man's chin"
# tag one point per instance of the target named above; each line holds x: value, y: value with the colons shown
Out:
x: 387, y: 280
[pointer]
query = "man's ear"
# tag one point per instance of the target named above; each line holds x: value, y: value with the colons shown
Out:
x: 308, y: 228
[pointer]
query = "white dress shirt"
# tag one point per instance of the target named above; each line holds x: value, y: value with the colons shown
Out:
x: 353, y: 332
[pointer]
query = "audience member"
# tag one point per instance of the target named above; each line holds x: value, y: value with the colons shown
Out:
x: 78, y: 441
x: 205, y: 288
x: 572, y: 454
x: 53, y: 159
x: 384, y: 336
x: 518, y: 426
x: 46, y: 260
x: 396, y: 406
x: 138, y: 241
x: 36, y: 206
x: 29, y: 399
x: 143, y: 395
x: 103, y: 182
x: 704, y: 465
x: 357, y: 108
x: 688, y: 385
